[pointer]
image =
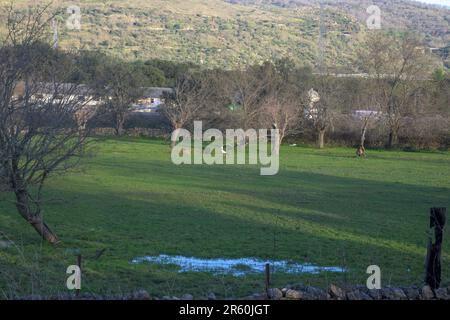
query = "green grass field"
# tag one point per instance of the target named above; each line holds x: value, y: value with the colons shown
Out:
x: 324, y: 207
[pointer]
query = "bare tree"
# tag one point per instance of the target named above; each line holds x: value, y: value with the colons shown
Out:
x: 38, y: 134
x: 184, y: 103
x: 247, y: 89
x: 281, y: 110
x: 121, y: 86
x: 320, y: 107
x: 399, y: 67
x: 361, y: 151
x: 216, y: 112
x: 85, y: 114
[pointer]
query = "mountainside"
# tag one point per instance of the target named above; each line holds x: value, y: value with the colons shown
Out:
x: 430, y: 20
x: 232, y: 32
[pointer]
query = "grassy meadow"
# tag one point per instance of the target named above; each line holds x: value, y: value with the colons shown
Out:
x: 325, y: 207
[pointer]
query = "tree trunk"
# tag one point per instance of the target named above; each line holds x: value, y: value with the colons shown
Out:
x: 120, y: 120
x: 393, y: 138
x: 363, y: 137
x: 119, y: 128
x: 36, y: 221
x: 43, y: 230
x: 321, y: 139
x: 174, y: 140
x: 361, y: 151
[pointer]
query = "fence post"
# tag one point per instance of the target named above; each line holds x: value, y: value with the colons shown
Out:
x: 77, y: 292
x: 267, y: 272
x: 433, y: 262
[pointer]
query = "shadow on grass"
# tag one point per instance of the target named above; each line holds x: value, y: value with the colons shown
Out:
x: 149, y: 207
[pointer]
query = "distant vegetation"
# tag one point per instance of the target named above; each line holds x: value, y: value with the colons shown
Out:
x: 429, y: 20
x: 216, y: 33
x: 152, y: 73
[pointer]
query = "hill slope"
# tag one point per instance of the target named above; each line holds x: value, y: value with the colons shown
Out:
x: 429, y: 20
x: 228, y: 33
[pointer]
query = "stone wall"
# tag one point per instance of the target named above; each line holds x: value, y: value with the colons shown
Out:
x: 335, y: 293
x: 132, y: 132
x: 354, y: 293
x: 288, y: 293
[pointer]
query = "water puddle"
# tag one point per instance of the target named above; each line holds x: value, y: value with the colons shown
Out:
x: 235, y: 267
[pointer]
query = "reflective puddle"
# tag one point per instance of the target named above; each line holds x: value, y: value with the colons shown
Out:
x: 235, y: 267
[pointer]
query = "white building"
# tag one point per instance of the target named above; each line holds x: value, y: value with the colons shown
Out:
x: 152, y: 100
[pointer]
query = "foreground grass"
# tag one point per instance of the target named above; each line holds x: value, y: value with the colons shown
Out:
x: 324, y: 207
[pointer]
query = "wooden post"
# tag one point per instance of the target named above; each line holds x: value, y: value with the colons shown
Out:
x: 267, y: 272
x: 433, y: 262
x: 77, y: 292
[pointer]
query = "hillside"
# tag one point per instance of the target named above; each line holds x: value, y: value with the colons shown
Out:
x: 228, y: 33
x: 432, y: 21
